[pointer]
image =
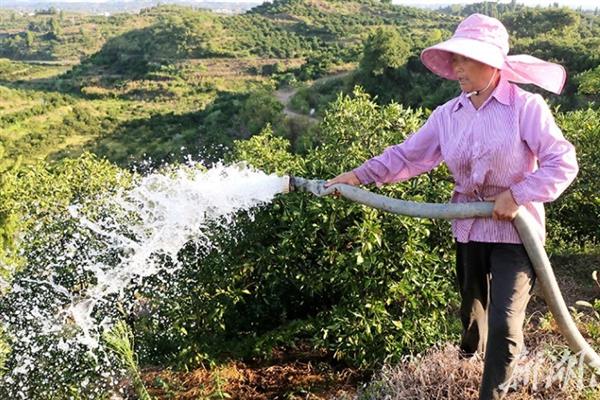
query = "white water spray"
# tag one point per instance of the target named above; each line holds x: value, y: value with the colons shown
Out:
x: 165, y: 211
x: 173, y: 209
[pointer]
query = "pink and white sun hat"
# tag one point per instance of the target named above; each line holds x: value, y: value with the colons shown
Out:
x: 485, y: 39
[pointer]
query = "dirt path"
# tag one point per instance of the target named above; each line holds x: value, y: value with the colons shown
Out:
x: 284, y: 95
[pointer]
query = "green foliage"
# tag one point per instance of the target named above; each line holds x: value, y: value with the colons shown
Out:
x: 236, y: 116
x: 337, y: 28
x: 556, y: 34
x: 362, y: 284
x: 315, y: 67
x: 186, y: 34
x: 574, y: 54
x: 258, y: 110
x: 572, y: 218
x: 383, y: 50
x: 37, y: 193
x: 405, y: 80
x: 56, y: 36
x: 268, y: 151
x: 254, y: 34
x: 4, y: 349
x: 120, y: 340
x: 317, y: 97
x: 8, y: 218
x: 589, y: 82
x: 531, y: 22
x: 184, y: 118
x: 493, y: 9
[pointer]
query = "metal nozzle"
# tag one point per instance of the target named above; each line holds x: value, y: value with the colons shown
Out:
x: 287, y: 184
x: 296, y: 184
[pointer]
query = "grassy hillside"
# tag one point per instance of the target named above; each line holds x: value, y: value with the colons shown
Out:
x: 175, y: 67
x: 167, y: 81
x: 60, y: 36
x: 283, y: 28
x: 177, y: 110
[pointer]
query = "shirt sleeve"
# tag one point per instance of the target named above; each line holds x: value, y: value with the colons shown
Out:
x: 557, y: 162
x: 419, y: 153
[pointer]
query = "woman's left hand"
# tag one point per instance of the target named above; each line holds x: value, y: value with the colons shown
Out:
x: 505, y: 208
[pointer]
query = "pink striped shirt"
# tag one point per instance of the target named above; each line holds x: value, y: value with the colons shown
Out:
x: 510, y: 142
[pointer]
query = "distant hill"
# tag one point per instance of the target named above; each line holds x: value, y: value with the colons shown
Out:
x: 322, y: 32
x: 123, y: 6
x: 335, y: 29
x: 281, y: 29
x: 155, y: 81
x: 288, y: 28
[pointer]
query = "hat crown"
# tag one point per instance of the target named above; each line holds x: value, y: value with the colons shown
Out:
x: 483, y: 28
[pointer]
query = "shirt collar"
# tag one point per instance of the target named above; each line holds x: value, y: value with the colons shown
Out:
x: 501, y: 93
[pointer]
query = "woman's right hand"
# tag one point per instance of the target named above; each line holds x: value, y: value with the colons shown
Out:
x: 349, y: 178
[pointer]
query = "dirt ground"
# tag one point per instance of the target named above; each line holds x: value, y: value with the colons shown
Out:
x: 298, y: 375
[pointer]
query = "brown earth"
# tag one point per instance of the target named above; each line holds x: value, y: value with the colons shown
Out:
x: 299, y: 374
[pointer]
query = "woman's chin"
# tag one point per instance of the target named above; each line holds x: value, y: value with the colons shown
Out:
x: 466, y: 88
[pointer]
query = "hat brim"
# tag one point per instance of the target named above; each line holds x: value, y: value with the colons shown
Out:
x: 438, y: 58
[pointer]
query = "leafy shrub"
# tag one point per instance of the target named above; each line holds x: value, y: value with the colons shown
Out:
x: 363, y: 284
x: 589, y: 82
x: 573, y: 217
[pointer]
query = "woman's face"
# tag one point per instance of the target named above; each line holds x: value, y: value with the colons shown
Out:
x: 472, y: 75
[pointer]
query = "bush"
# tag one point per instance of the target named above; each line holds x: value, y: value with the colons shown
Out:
x: 365, y: 285
x: 573, y: 217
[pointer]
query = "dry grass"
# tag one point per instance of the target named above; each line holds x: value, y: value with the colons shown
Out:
x: 228, y: 67
x: 548, y: 370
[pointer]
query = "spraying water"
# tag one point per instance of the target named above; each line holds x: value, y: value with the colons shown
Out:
x: 106, y: 248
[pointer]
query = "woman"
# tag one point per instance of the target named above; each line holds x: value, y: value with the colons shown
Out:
x: 501, y: 144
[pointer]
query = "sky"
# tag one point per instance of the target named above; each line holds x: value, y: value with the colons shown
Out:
x: 570, y: 3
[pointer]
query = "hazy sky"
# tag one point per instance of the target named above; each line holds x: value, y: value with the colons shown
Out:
x: 571, y: 3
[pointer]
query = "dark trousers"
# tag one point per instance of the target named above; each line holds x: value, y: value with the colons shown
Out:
x: 495, y: 282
